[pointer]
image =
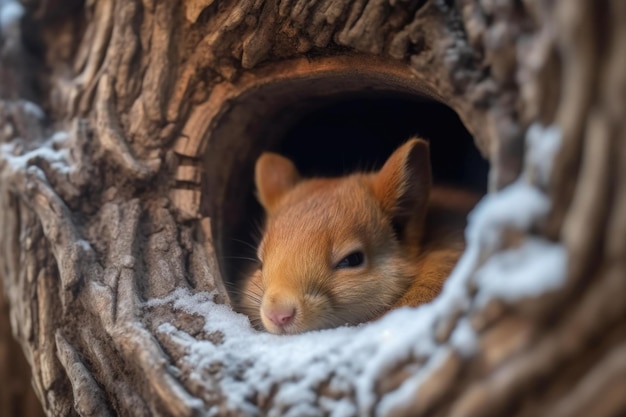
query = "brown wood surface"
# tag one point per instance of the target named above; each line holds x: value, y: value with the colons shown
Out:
x: 148, y: 108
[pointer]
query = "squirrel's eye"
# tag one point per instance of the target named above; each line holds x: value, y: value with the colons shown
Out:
x: 351, y: 261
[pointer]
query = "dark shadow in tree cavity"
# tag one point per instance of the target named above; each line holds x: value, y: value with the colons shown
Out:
x: 330, y: 137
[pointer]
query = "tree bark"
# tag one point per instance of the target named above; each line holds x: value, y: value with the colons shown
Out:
x: 124, y: 122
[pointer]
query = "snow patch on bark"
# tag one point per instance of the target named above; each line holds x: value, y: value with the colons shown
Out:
x: 534, y: 268
x: 518, y: 206
x: 11, y: 11
x: 542, y: 144
x: 52, y: 151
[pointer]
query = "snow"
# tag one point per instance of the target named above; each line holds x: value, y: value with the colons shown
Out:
x: 302, y: 362
x: 518, y: 206
x: 463, y: 338
x: 534, y: 268
x: 338, y: 408
x: 33, y: 110
x: 55, y: 150
x: 542, y: 145
x: 406, y: 393
x: 11, y: 11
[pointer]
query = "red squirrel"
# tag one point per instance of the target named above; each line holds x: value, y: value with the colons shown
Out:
x: 346, y: 250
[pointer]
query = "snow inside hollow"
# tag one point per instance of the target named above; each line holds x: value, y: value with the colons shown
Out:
x: 350, y: 359
x: 254, y: 361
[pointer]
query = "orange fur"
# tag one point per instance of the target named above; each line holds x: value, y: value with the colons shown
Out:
x: 409, y: 239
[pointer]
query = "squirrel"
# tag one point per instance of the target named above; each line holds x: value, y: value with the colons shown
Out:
x: 342, y: 251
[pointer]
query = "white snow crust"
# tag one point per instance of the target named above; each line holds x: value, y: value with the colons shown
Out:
x: 11, y: 11
x: 542, y: 145
x: 53, y: 150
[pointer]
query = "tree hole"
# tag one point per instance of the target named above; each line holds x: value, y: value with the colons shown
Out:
x: 339, y: 135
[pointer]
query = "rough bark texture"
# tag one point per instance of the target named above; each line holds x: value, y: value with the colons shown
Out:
x: 102, y: 193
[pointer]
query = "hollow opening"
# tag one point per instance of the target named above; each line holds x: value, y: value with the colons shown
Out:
x: 336, y: 135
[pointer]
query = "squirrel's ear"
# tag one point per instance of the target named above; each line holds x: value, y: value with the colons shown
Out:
x: 402, y: 186
x: 274, y: 175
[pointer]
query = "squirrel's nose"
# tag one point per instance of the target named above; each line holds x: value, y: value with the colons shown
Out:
x: 281, y: 316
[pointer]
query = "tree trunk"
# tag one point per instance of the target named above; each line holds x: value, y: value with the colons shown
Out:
x: 128, y: 127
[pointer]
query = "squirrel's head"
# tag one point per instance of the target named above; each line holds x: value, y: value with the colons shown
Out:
x: 338, y: 250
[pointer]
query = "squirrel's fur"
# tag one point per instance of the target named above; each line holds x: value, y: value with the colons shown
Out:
x: 311, y: 276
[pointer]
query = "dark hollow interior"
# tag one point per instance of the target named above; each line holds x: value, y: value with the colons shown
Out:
x: 356, y: 132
